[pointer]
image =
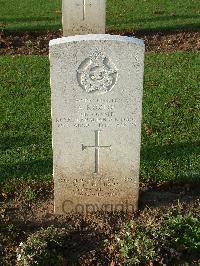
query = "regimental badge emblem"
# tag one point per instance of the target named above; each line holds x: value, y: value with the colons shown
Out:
x: 97, y: 74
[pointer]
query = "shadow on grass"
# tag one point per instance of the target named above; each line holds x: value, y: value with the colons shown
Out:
x: 31, y: 169
x: 35, y: 169
x: 175, y: 163
x: 27, y: 19
x: 19, y: 141
x: 158, y: 18
x: 156, y: 153
x: 16, y: 28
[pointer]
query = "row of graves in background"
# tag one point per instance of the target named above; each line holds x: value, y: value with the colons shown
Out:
x: 96, y: 90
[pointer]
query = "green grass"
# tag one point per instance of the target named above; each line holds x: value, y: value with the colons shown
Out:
x: 30, y: 14
x: 171, y: 110
x: 170, y: 129
x: 121, y: 14
x: 152, y: 14
x: 25, y: 126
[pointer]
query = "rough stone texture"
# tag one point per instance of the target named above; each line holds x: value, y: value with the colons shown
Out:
x: 97, y: 85
x: 83, y: 16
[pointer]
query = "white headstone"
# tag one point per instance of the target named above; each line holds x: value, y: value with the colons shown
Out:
x: 83, y: 17
x: 97, y: 86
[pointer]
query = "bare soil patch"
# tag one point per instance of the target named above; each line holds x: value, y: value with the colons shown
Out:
x: 37, y: 42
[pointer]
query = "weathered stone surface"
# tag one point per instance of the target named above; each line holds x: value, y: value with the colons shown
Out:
x: 97, y: 85
x: 83, y: 16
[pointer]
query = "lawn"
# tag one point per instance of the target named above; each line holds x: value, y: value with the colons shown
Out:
x: 170, y: 128
x: 30, y: 14
x: 122, y: 15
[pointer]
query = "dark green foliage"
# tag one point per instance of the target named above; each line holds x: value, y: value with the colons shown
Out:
x: 183, y: 233
x: 43, y: 248
x: 135, y: 245
x: 173, y: 238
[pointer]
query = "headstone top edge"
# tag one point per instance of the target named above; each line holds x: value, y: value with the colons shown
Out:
x: 97, y: 37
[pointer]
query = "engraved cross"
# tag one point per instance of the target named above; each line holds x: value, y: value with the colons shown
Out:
x: 97, y: 147
x: 84, y: 5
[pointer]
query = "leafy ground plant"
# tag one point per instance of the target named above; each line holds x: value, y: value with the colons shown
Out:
x: 175, y: 239
x: 135, y: 245
x: 147, y: 238
x: 30, y: 194
x: 183, y: 234
x: 42, y: 248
